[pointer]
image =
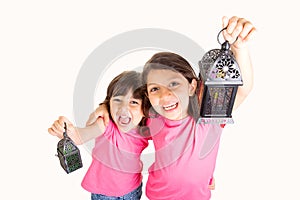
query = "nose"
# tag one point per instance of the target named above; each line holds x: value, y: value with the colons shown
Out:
x: 165, y: 92
x: 123, y: 108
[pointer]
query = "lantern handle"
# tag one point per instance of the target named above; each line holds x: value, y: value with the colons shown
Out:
x: 65, y: 132
x: 226, y: 40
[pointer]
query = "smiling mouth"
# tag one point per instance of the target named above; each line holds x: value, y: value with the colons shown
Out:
x: 170, y: 107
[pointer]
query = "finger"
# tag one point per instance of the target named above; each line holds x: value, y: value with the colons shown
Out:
x: 106, y: 119
x: 91, y: 120
x: 101, y: 111
x: 239, y: 28
x: 93, y: 116
x: 63, y: 119
x: 225, y: 21
x: 232, y: 24
x: 54, y: 133
x: 246, y: 28
x: 211, y: 187
x: 87, y: 123
x: 250, y: 34
x: 57, y: 126
x: 50, y: 130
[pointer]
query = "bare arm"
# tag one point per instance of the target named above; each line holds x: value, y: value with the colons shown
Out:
x: 102, y: 112
x: 243, y: 30
x: 244, y: 61
x: 78, y: 135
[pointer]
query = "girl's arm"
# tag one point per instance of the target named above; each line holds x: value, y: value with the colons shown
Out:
x: 101, y: 112
x: 243, y: 59
x: 243, y: 30
x: 78, y: 135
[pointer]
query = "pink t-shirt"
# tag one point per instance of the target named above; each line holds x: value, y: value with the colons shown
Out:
x: 116, y: 166
x: 185, y: 159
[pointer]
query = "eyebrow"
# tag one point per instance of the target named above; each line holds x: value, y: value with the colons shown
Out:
x: 168, y: 80
x: 149, y: 84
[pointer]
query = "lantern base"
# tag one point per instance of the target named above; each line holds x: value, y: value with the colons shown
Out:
x: 215, y: 120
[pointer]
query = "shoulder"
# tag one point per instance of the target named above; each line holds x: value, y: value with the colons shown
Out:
x: 110, y: 127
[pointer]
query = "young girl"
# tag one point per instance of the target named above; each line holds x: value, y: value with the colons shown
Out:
x: 115, y: 172
x: 178, y: 171
x: 181, y: 170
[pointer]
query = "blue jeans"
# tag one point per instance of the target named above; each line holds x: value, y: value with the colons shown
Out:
x: 134, y: 195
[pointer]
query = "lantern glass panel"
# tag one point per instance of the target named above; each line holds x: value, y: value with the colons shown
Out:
x: 69, y: 155
x: 218, y: 101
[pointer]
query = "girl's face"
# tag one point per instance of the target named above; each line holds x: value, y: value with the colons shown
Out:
x: 126, y: 111
x: 169, y: 93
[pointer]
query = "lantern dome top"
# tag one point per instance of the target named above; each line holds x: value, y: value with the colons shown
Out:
x: 218, y: 66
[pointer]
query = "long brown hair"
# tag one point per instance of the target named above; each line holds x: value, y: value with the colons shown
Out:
x: 176, y: 63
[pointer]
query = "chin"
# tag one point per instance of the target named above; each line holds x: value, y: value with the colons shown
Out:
x: 174, y: 115
x: 126, y: 129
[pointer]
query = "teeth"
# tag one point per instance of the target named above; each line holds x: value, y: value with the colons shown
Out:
x: 169, y: 107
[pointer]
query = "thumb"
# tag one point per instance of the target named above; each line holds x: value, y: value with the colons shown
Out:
x: 69, y: 125
x: 63, y: 119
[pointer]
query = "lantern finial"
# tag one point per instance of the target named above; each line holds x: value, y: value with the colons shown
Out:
x: 225, y: 46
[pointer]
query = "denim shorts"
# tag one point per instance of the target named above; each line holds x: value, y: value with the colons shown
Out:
x: 133, y: 195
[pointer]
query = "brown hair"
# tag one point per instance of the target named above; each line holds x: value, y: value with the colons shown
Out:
x: 121, y: 85
x: 176, y: 63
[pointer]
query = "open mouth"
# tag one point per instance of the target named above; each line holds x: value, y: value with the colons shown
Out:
x: 170, y: 107
x: 124, y: 120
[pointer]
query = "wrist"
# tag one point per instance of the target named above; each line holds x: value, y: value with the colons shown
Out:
x: 241, y: 51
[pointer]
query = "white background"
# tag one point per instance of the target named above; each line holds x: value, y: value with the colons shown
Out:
x: 43, y: 45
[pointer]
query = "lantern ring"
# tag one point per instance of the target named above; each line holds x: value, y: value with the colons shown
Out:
x: 221, y: 32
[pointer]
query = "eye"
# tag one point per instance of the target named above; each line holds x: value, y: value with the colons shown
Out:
x: 116, y: 100
x: 153, y: 89
x: 173, y: 84
x: 134, y: 102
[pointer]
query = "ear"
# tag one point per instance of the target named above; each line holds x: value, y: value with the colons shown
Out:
x: 192, y: 87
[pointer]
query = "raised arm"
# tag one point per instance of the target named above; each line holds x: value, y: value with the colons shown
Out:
x: 243, y: 30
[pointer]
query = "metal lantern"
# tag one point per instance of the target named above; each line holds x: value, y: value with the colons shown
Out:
x: 68, y: 154
x: 220, y: 77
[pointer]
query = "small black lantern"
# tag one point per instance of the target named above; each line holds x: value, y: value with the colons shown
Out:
x: 220, y: 77
x: 68, y: 153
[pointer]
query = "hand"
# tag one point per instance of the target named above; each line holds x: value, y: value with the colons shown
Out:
x: 238, y: 28
x: 57, y: 128
x: 211, y: 185
x: 102, y: 112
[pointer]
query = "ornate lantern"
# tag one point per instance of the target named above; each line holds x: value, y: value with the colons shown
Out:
x: 68, y: 153
x: 220, y: 77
